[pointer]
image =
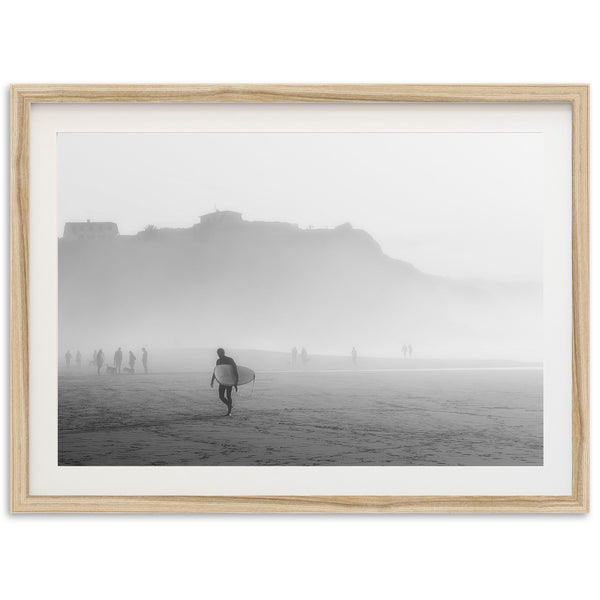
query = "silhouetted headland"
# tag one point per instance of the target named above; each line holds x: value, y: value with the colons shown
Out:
x: 256, y: 284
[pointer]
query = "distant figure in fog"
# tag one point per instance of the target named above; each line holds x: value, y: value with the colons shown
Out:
x: 145, y: 359
x: 304, y: 356
x: 294, y: 355
x: 99, y: 360
x: 409, y: 350
x: 404, y: 349
x: 118, y: 359
x: 68, y: 359
x: 354, y: 355
x: 78, y: 359
x: 132, y: 360
x: 225, y: 390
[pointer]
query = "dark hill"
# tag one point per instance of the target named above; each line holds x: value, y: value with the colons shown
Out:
x: 273, y: 285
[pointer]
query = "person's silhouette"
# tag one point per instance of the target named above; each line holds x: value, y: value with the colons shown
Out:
x: 409, y: 350
x: 304, y: 356
x: 68, y: 359
x: 404, y: 349
x: 294, y: 355
x: 225, y: 390
x: 78, y: 359
x: 118, y: 359
x: 132, y: 360
x: 99, y: 360
x: 145, y: 359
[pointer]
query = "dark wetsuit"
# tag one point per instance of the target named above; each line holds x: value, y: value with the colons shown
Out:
x: 226, y: 389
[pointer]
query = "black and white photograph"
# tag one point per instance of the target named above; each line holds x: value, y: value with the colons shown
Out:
x: 300, y: 299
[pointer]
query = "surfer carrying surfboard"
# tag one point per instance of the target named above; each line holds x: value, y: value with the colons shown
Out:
x: 225, y: 390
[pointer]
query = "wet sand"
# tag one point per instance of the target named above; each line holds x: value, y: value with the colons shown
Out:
x: 408, y: 417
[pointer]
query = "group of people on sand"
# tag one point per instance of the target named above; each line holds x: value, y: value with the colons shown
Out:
x: 118, y: 362
x: 98, y: 361
x: 303, y: 355
x: 69, y: 357
x: 406, y: 351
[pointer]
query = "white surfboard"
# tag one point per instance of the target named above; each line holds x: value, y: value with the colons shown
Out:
x: 224, y: 375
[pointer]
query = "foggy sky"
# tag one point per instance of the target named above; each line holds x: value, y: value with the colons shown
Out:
x: 453, y: 204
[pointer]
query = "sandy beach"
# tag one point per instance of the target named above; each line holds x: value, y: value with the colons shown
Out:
x: 398, y: 417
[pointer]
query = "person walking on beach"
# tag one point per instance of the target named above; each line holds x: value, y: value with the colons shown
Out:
x: 68, y: 359
x: 78, y: 359
x: 304, y: 356
x: 409, y: 351
x: 294, y: 355
x: 354, y: 355
x: 404, y: 349
x: 99, y: 360
x: 132, y: 360
x: 118, y: 359
x: 145, y: 359
x: 225, y: 390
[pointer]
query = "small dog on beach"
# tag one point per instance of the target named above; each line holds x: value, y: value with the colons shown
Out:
x: 111, y: 370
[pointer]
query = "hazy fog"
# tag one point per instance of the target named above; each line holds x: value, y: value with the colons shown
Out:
x: 452, y: 204
x: 272, y: 286
x: 443, y: 251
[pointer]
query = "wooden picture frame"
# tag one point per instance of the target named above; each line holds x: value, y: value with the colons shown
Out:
x: 22, y: 98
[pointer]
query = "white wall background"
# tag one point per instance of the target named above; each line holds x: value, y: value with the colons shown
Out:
x: 513, y: 41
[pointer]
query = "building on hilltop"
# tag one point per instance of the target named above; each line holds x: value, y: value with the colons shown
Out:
x: 90, y: 230
x: 221, y: 217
